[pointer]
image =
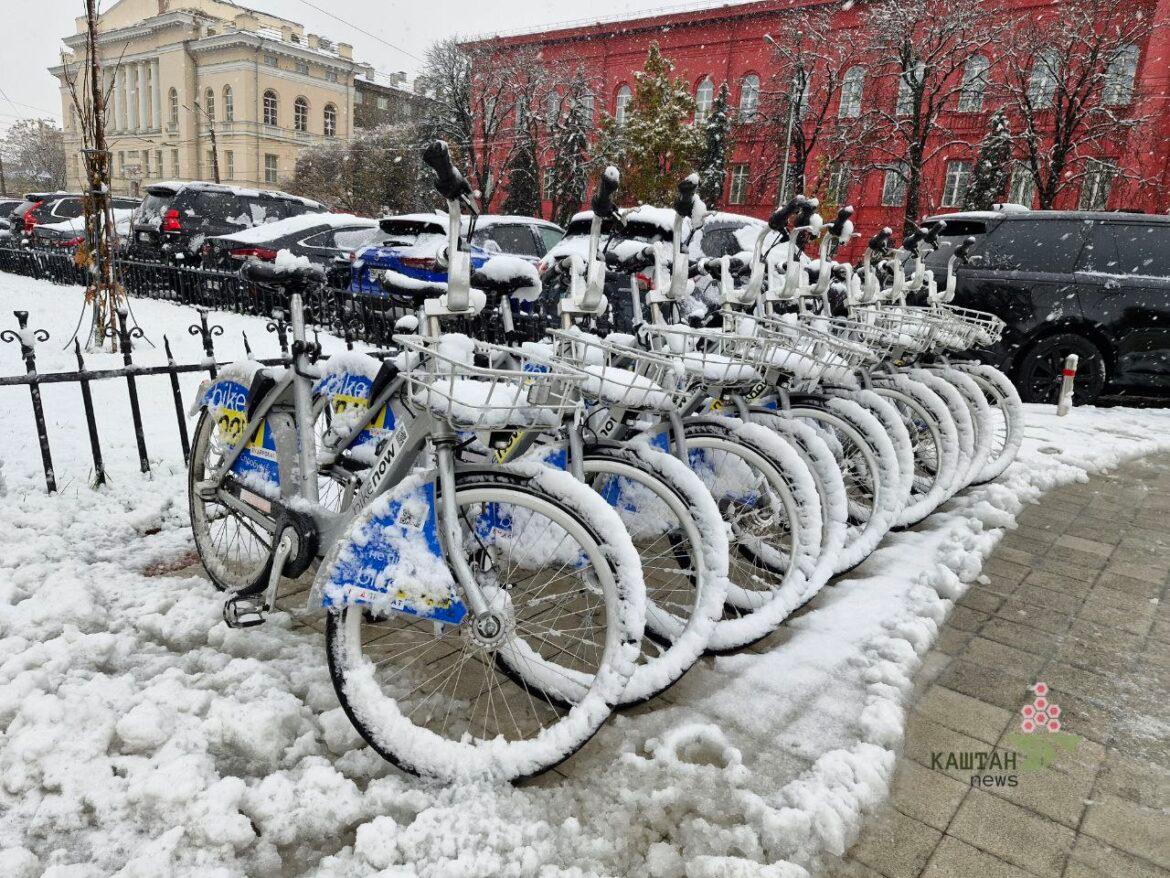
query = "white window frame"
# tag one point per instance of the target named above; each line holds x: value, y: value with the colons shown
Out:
x: 852, y: 91
x: 749, y: 98
x: 621, y: 104
x: 1119, y: 77
x: 1097, y: 185
x: 229, y: 104
x: 738, y: 189
x: 974, y: 87
x: 301, y: 114
x: 906, y: 80
x: 894, y: 187
x: 1042, y: 80
x: 955, y: 183
x: 270, y: 102
x: 1022, y: 188
x: 329, y: 120
x: 271, y: 168
x: 704, y: 99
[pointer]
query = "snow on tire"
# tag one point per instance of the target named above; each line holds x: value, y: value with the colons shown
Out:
x: 964, y: 423
x: 1007, y: 405
x: 981, y: 419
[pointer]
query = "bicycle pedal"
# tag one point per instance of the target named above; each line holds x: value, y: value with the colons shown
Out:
x: 242, y: 612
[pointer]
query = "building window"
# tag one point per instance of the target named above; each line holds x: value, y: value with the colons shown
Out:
x: 1023, y: 186
x: 852, y: 85
x: 330, y: 126
x: 331, y: 76
x: 301, y: 114
x: 749, y: 98
x: 271, y: 61
x: 1096, y: 184
x: 229, y: 164
x: 173, y: 108
x: 121, y: 163
x: 175, y: 163
x: 837, y: 189
x: 158, y: 168
x: 144, y: 162
x: 955, y: 186
x: 909, y: 82
x: 1119, y: 75
x: 359, y: 97
x: 211, y: 163
x: 229, y: 104
x: 739, y: 185
x: 383, y: 102
x: 621, y: 104
x: 974, y: 84
x: 550, y: 180
x: 704, y: 97
x: 303, y: 68
x: 554, y: 106
x: 1042, y: 82
x: 271, y: 117
x: 269, y: 168
x: 894, y: 186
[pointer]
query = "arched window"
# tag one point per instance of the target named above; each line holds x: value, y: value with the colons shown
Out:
x: 974, y: 84
x: 1042, y: 82
x: 271, y: 117
x: 852, y: 85
x: 330, y: 126
x: 229, y: 105
x: 209, y: 104
x: 704, y: 97
x: 301, y: 114
x: 621, y: 104
x: 749, y: 98
x: 908, y: 83
x: 173, y: 107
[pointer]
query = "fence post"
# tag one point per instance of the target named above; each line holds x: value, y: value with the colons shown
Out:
x: 28, y: 339
x: 180, y: 412
x: 125, y: 334
x: 99, y: 469
x: 202, y: 329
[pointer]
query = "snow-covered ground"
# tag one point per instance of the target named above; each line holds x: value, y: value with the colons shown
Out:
x: 141, y: 737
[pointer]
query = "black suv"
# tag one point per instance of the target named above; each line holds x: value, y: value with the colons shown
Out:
x: 1069, y: 282
x: 175, y: 219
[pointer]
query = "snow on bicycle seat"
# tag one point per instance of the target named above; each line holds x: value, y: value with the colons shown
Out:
x: 287, y: 270
x: 508, y: 276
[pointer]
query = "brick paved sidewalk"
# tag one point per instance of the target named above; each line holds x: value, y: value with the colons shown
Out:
x: 1077, y: 598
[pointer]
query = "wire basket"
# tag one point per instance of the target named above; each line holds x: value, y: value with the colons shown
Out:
x: 455, y: 380
x: 806, y: 351
x: 974, y: 328
x: 722, y: 359
x: 908, y: 330
x: 619, y: 375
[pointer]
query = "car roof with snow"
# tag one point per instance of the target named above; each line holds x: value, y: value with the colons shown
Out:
x: 173, y: 187
x: 1048, y: 215
x: 77, y: 224
x: 303, y: 223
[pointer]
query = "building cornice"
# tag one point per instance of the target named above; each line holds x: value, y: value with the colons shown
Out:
x: 139, y: 29
x: 276, y: 47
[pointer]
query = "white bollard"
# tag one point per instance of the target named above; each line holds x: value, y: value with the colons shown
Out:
x: 1066, y: 384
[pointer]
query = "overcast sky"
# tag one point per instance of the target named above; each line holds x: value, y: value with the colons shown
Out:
x: 33, y: 39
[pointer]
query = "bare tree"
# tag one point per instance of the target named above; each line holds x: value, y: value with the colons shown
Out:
x: 800, y: 108
x: 921, y: 51
x: 34, y: 155
x: 1069, y: 82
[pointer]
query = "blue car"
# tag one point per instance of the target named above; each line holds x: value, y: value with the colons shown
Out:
x: 409, y: 253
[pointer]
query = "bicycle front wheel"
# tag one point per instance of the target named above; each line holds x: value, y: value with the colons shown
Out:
x: 451, y: 700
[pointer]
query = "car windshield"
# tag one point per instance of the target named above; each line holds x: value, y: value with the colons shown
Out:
x: 153, y: 207
x: 636, y: 230
x: 396, y: 231
x: 952, y: 236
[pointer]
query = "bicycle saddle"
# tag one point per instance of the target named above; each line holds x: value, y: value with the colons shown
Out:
x: 508, y: 276
x: 282, y: 275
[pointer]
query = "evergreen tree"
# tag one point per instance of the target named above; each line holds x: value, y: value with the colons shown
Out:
x: 522, y: 172
x: 717, y: 135
x: 570, y: 149
x: 657, y: 146
x: 989, y: 176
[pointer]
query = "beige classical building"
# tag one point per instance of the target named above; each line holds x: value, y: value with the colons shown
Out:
x: 174, y: 69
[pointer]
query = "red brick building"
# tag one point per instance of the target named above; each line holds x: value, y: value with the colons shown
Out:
x: 727, y: 44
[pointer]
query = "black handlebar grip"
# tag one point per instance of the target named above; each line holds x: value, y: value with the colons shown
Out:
x: 931, y: 236
x: 911, y: 240
x: 778, y: 221
x: 684, y: 202
x: 964, y: 249
x: 448, y: 181
x: 880, y: 242
x: 602, y: 202
x: 838, y: 226
x: 805, y: 214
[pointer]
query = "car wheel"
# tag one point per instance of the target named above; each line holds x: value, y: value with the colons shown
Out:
x: 1039, y: 373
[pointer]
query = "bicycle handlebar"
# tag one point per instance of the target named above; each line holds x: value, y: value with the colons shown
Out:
x: 684, y: 202
x: 911, y: 240
x: 880, y: 242
x: 931, y: 236
x: 963, y: 251
x: 805, y: 213
x: 448, y: 181
x: 778, y: 221
x: 843, y: 216
x: 602, y: 203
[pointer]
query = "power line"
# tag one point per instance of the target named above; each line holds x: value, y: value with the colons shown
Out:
x: 350, y: 24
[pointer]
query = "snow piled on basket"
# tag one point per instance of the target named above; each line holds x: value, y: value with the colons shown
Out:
x: 142, y: 734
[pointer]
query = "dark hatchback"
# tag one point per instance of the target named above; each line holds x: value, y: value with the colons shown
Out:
x: 176, y: 219
x: 1069, y: 282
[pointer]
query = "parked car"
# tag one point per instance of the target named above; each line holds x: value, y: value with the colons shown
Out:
x: 725, y: 234
x: 69, y: 234
x: 53, y: 207
x: 327, y: 239
x: 175, y: 219
x: 411, y: 246
x: 522, y: 236
x: 1069, y: 282
x: 7, y: 205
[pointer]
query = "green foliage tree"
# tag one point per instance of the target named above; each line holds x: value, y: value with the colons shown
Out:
x: 989, y: 176
x: 717, y: 146
x: 657, y: 146
x: 569, y: 143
